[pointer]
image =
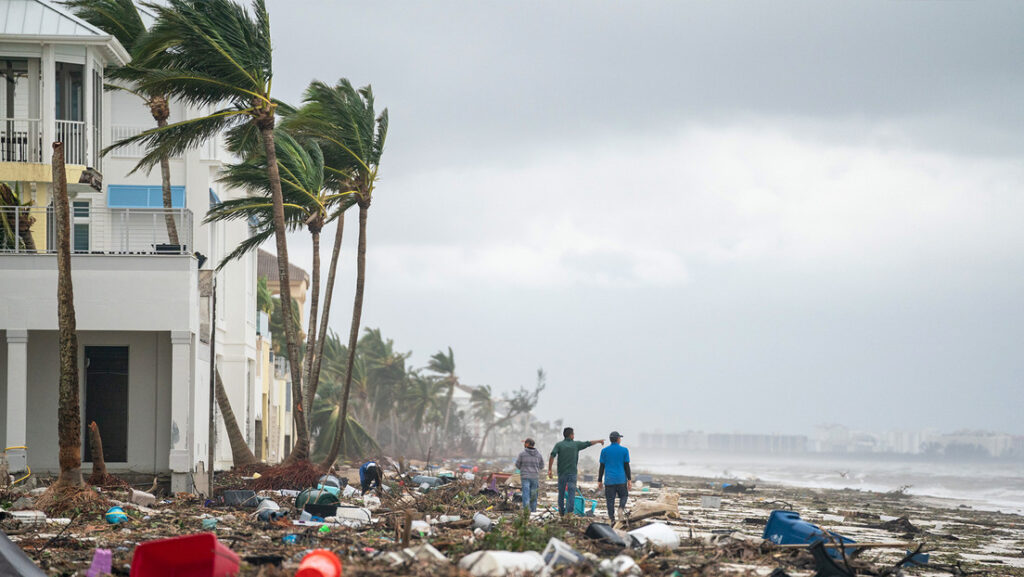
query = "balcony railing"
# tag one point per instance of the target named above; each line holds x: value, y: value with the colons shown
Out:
x: 132, y: 231
x: 21, y: 140
x: 72, y: 134
x: 119, y: 132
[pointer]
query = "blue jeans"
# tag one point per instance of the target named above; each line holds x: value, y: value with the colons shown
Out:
x: 566, y: 493
x: 531, y: 487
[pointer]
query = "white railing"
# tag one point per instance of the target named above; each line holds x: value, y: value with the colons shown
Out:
x: 32, y: 230
x: 208, y: 149
x: 72, y: 134
x: 121, y: 132
x: 21, y: 140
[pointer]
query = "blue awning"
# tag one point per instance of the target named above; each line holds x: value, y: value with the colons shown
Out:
x: 143, y: 196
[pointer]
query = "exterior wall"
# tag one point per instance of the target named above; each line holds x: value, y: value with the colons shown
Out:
x: 115, y: 292
x: 3, y: 388
x: 149, y: 398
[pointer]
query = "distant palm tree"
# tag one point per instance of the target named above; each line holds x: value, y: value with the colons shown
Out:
x: 421, y: 403
x: 352, y: 136
x: 207, y: 53
x: 121, y: 19
x: 443, y: 364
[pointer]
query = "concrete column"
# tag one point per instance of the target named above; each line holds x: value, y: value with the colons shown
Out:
x: 49, y: 112
x: 17, y: 396
x: 182, y: 419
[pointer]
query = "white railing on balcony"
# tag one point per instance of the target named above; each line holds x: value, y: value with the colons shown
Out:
x: 21, y: 140
x: 121, y: 132
x: 32, y: 230
x: 72, y: 134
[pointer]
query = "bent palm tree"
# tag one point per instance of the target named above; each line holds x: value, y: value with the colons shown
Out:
x: 307, y: 202
x: 241, y: 455
x: 121, y: 19
x: 445, y: 365
x: 207, y: 53
x: 352, y: 135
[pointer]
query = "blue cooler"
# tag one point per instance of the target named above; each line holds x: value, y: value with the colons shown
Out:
x: 787, y: 528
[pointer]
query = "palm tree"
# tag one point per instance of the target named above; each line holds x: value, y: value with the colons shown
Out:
x: 352, y: 135
x: 16, y: 220
x: 69, y: 424
x: 420, y: 403
x: 208, y: 53
x: 121, y: 19
x: 517, y: 403
x: 241, y: 455
x: 443, y: 364
x: 307, y: 202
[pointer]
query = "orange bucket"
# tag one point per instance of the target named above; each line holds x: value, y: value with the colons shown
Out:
x: 320, y: 563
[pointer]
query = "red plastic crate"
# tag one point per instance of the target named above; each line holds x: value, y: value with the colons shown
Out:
x: 199, y: 555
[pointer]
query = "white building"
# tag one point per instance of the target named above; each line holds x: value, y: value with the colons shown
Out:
x: 143, y: 323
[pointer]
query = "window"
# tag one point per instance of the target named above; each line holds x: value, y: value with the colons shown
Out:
x: 80, y: 228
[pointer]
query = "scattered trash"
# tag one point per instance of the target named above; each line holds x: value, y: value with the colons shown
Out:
x: 371, y: 502
x: 331, y: 484
x: 199, y: 555
x: 321, y: 511
x: 619, y: 567
x: 737, y: 488
x: 709, y: 502
x: 421, y: 529
x: 501, y: 563
x: 580, y: 507
x: 101, y: 561
x: 824, y: 565
x: 667, y: 503
x: 787, y: 528
x: 349, y: 491
x: 559, y: 553
x: 604, y: 532
x: 482, y: 522
x: 241, y: 498
x: 424, y: 553
x: 37, y: 517
x: 209, y: 524
x: 360, y: 514
x: 14, y: 562
x: 292, y: 539
x: 431, y: 482
x: 319, y: 563
x: 659, y: 535
x: 115, y: 516
x: 142, y: 498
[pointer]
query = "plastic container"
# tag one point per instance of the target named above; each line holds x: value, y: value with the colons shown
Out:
x: 501, y: 563
x: 580, y: 508
x: 559, y: 552
x: 115, y: 515
x: 482, y: 522
x: 787, y: 528
x: 658, y: 535
x: 199, y: 555
x: 101, y: 563
x: 604, y: 532
x: 421, y: 479
x: 353, y: 513
x: 240, y: 498
x: 319, y: 563
x: 14, y: 561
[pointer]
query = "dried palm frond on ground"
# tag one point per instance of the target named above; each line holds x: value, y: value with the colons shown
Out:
x: 60, y: 499
x: 298, y: 476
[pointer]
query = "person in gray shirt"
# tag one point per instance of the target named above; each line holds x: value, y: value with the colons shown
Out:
x: 530, y: 462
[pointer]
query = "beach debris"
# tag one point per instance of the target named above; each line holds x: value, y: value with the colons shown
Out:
x: 787, y: 528
x: 316, y: 497
x: 101, y: 563
x: 115, y: 516
x: 604, y: 532
x: 199, y: 555
x: 825, y: 565
x: 899, y: 525
x: 709, y: 502
x: 558, y: 553
x: 240, y: 498
x: 482, y: 522
x: 30, y: 517
x: 658, y: 535
x: 501, y: 563
x: 14, y: 561
x: 737, y: 488
x: 666, y: 504
x: 620, y: 566
x: 423, y: 553
x: 331, y: 484
x: 142, y: 498
x: 319, y: 563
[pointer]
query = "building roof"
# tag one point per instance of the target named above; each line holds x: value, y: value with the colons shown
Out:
x: 41, y: 19
x: 266, y: 266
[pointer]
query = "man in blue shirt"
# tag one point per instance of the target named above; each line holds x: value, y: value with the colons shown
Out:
x: 614, y: 474
x: 370, y: 477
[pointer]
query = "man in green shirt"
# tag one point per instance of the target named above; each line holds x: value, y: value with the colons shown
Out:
x: 568, y: 452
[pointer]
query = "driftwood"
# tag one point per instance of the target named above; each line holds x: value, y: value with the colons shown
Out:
x: 99, y: 466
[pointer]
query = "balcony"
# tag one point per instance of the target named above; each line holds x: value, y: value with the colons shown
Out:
x: 117, y: 231
x: 21, y: 140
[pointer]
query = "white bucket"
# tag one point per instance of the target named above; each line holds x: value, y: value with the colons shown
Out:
x: 354, y: 514
x: 559, y: 552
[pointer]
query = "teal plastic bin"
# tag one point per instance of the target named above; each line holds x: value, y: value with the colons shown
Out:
x: 580, y: 508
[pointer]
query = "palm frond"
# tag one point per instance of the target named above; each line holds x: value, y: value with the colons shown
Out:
x: 178, y: 137
x: 119, y: 18
x: 246, y: 246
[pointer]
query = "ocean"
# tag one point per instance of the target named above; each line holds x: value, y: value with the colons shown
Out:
x: 994, y: 486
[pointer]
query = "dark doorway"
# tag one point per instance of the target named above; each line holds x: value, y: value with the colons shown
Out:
x: 106, y: 400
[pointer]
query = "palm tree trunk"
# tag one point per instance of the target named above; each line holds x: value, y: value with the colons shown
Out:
x: 300, y: 450
x: 314, y: 373
x: 353, y: 333
x: 158, y: 107
x: 448, y: 407
x: 69, y: 424
x: 241, y: 455
x: 314, y: 303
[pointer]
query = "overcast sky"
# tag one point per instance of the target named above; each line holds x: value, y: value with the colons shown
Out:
x: 725, y: 216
